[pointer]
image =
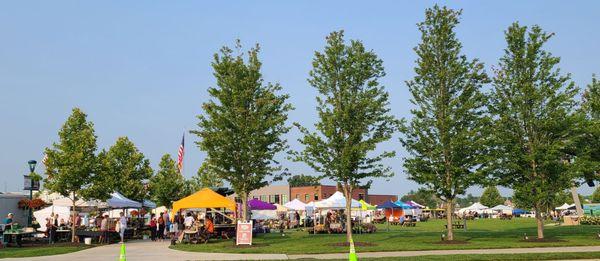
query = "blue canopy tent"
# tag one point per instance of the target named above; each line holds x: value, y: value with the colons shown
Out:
x: 518, y: 212
x: 403, y: 205
x: 389, y: 205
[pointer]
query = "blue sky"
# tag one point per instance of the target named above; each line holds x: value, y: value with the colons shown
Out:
x: 141, y: 69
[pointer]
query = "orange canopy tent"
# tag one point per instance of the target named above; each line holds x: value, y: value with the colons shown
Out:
x: 205, y: 198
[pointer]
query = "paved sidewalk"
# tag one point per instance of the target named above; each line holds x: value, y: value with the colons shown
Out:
x: 160, y: 251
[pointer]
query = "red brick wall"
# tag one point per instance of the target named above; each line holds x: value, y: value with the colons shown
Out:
x: 380, y: 199
x: 322, y: 192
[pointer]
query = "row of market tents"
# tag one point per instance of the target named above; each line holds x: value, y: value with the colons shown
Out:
x: 116, y: 203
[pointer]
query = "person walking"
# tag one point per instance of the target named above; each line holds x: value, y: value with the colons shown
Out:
x: 153, y: 227
x: 122, y: 226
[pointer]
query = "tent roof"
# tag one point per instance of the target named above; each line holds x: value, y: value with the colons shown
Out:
x: 518, y: 211
x: 565, y: 206
x: 281, y: 208
x: 501, y: 207
x: 388, y: 204
x: 205, y: 198
x: 255, y: 204
x: 415, y: 204
x: 366, y: 206
x: 149, y: 204
x: 337, y: 200
x: 117, y: 200
x: 404, y: 205
x: 295, y: 204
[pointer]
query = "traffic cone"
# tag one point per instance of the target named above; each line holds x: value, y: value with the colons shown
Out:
x: 352, y: 255
x: 122, y: 255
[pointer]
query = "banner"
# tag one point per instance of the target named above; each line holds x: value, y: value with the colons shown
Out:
x: 243, y: 235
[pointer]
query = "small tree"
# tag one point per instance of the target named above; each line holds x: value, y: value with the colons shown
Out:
x: 128, y: 168
x: 423, y: 197
x: 207, y: 178
x: 491, y: 197
x: 303, y: 181
x: 535, y: 122
x: 167, y: 185
x: 596, y: 195
x: 243, y: 123
x: 354, y: 117
x: 445, y: 138
x: 71, y: 166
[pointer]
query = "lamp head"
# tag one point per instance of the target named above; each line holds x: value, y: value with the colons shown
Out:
x: 31, y: 164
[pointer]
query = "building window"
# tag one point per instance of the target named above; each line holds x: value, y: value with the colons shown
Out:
x: 307, y: 198
x: 361, y: 196
x: 284, y: 199
x: 263, y: 198
x: 316, y: 196
x: 276, y: 199
x: 297, y: 196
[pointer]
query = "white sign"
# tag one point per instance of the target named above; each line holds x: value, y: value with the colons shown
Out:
x: 243, y: 235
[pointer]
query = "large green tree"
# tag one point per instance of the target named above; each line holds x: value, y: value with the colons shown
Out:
x: 303, y: 181
x: 128, y: 168
x: 535, y: 121
x: 167, y: 185
x: 491, y: 197
x: 243, y: 123
x: 422, y: 196
x: 204, y: 178
x: 71, y: 165
x: 588, y: 151
x: 445, y: 138
x: 354, y: 117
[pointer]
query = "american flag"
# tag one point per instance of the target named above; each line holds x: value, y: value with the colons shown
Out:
x: 180, y: 155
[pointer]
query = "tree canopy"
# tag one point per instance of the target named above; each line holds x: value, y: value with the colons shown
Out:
x: 535, y: 122
x: 422, y: 196
x: 445, y: 138
x: 303, y: 181
x: 167, y: 185
x: 491, y: 197
x: 243, y: 122
x: 128, y: 168
x: 354, y: 116
x: 71, y: 165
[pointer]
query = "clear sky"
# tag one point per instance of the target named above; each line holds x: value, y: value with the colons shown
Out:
x: 141, y: 69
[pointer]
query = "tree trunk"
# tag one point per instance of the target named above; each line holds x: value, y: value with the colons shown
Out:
x: 449, y: 212
x: 576, y: 201
x: 540, y: 222
x: 348, y: 194
x: 73, y: 223
x: 244, y: 206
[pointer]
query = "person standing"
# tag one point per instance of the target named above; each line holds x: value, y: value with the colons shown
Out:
x: 122, y: 226
x: 153, y: 227
x: 104, y: 230
x: 161, y: 227
x: 167, y: 224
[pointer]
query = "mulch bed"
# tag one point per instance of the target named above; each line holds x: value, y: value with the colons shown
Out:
x: 346, y: 244
x: 452, y: 242
x: 542, y: 240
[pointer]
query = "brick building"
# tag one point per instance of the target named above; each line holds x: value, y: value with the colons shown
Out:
x: 282, y: 194
x: 380, y: 199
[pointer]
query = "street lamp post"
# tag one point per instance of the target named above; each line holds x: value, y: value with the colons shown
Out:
x: 31, y: 175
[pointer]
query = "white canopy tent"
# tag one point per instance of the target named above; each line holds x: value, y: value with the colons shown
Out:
x: 476, y: 207
x: 117, y: 200
x: 565, y: 206
x: 296, y: 205
x: 336, y: 201
x: 502, y: 209
x: 42, y: 214
x: 264, y: 214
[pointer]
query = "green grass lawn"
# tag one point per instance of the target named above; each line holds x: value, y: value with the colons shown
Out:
x: 39, y: 251
x: 485, y: 233
x: 537, y: 256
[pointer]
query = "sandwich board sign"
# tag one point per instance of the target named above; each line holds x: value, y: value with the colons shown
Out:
x: 243, y: 235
